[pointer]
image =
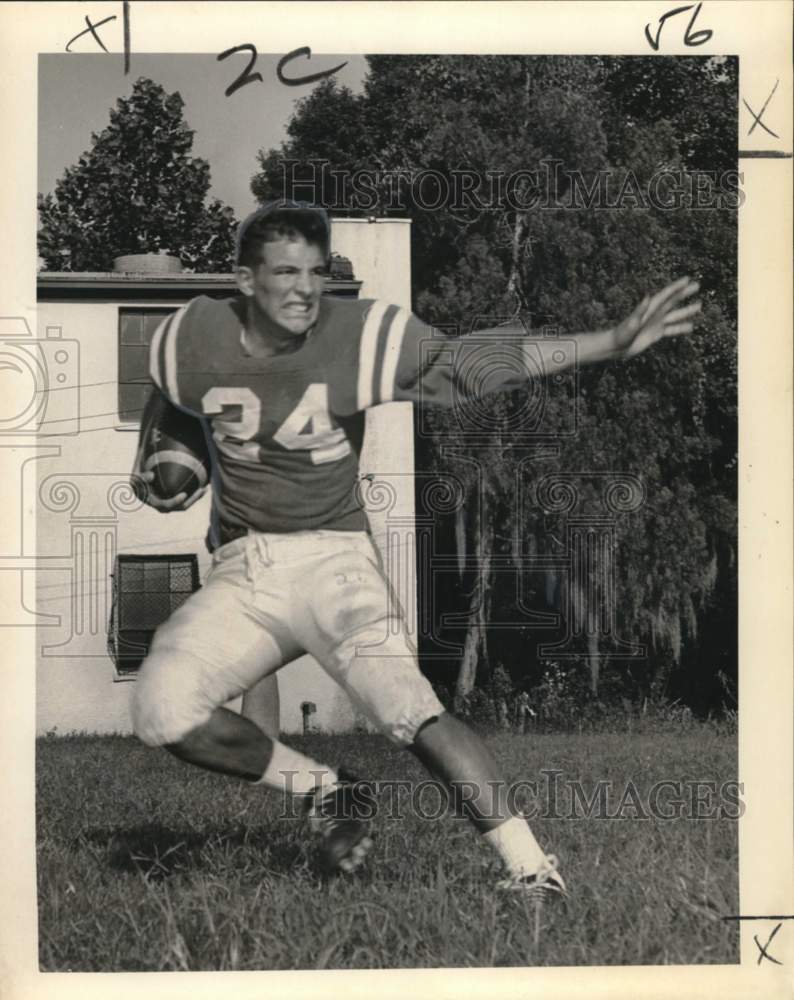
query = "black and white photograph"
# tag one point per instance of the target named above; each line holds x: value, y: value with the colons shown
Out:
x: 392, y: 531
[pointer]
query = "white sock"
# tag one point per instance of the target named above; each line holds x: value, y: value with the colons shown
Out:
x: 290, y: 771
x: 515, y: 843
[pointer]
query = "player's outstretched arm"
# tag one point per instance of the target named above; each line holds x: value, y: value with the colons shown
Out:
x: 404, y: 359
x: 665, y: 314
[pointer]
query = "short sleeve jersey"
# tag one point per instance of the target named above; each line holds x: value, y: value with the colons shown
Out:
x: 288, y: 428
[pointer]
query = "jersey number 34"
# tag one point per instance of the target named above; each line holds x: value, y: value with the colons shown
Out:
x: 308, y: 427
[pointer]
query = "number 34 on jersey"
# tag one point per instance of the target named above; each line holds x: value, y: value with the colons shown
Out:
x: 308, y: 426
x: 291, y: 405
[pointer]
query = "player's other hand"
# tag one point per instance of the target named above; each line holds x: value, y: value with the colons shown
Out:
x: 661, y: 315
x: 142, y: 484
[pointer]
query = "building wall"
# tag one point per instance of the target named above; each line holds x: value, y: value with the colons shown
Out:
x: 84, y: 511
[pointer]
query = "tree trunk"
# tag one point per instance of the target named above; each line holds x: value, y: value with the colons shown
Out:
x: 584, y: 622
x: 460, y: 540
x: 476, y: 645
x: 594, y: 652
x: 514, y: 290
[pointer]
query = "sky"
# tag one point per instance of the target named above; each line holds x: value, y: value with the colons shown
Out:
x: 76, y: 93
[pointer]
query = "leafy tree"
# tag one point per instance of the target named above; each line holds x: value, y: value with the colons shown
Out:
x: 697, y: 95
x: 137, y: 190
x: 668, y: 418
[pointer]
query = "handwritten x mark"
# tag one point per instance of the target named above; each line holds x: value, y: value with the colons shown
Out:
x: 92, y: 29
x: 763, y: 951
x: 757, y: 117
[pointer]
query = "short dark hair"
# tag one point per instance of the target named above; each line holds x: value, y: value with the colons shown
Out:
x: 281, y: 220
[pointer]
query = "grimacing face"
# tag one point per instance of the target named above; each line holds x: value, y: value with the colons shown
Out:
x: 286, y: 286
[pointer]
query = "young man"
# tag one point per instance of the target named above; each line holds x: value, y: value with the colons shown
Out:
x: 285, y: 376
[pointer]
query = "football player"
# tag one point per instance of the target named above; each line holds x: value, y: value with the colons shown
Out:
x: 285, y: 375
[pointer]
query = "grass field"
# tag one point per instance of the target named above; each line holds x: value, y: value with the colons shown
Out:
x: 147, y: 864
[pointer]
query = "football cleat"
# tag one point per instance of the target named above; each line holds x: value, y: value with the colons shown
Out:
x: 340, y: 815
x: 544, y: 885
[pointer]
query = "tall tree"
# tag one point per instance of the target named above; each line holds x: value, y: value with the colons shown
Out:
x: 137, y: 190
x: 575, y: 247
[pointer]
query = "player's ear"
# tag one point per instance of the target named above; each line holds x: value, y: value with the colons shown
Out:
x: 245, y: 280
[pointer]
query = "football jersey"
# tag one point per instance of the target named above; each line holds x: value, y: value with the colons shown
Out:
x: 288, y: 428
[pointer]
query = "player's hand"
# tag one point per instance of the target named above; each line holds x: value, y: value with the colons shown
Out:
x: 661, y: 315
x: 180, y: 502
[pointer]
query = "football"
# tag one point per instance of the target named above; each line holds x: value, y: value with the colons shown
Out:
x: 174, y: 447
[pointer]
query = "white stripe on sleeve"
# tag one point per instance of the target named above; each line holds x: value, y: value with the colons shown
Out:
x: 171, y: 380
x: 394, y: 345
x: 366, y: 358
x: 154, y: 354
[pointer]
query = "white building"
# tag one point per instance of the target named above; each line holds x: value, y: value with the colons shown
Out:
x: 92, y: 338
